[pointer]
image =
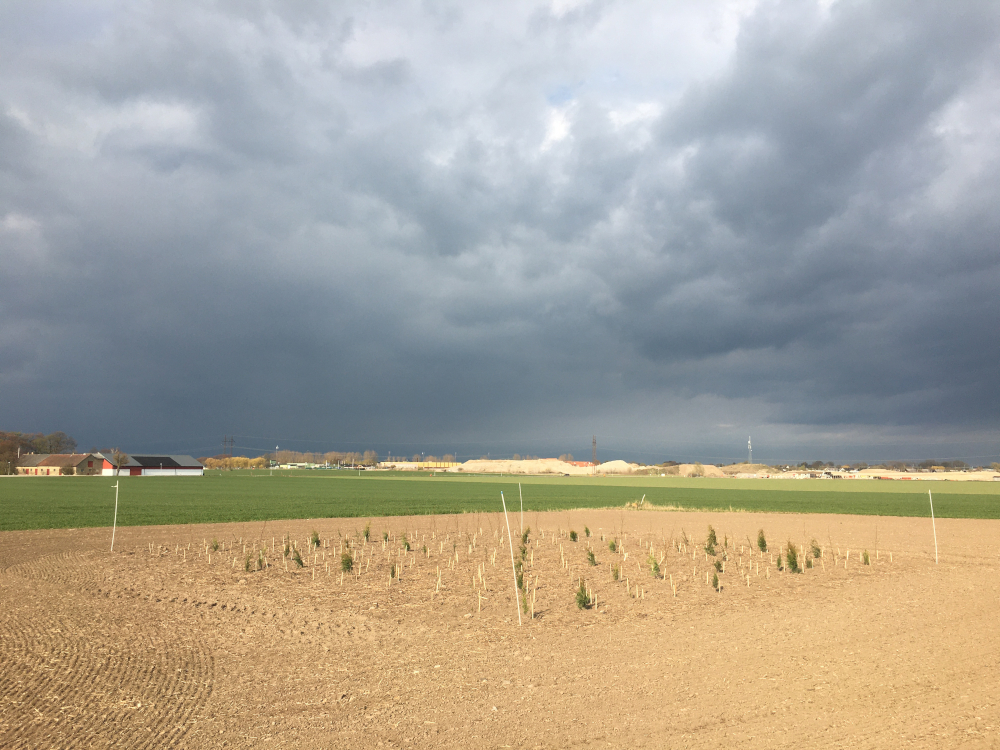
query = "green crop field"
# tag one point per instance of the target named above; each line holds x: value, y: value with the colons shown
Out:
x: 76, y: 502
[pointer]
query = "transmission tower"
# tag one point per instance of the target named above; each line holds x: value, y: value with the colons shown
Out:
x: 594, y: 458
x: 228, y: 441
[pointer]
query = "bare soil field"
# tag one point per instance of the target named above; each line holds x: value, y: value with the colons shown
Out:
x: 168, y: 643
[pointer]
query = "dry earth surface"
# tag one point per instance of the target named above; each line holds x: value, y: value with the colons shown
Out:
x: 155, y: 646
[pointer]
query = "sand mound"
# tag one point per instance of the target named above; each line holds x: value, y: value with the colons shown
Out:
x: 530, y: 466
x: 745, y: 468
x: 542, y: 466
x: 699, y: 470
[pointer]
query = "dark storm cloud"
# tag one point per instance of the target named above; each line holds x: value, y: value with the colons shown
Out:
x: 419, y: 222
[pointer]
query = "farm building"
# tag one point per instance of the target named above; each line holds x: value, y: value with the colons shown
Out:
x: 146, y: 465
x: 54, y: 464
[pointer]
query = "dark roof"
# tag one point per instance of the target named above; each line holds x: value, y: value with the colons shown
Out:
x: 167, y: 462
x: 155, y: 462
x: 29, y: 460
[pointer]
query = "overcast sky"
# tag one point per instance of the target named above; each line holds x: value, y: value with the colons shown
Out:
x: 472, y: 227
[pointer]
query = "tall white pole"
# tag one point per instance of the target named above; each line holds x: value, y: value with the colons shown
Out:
x: 933, y: 526
x: 522, y: 506
x: 114, y: 528
x: 510, y: 543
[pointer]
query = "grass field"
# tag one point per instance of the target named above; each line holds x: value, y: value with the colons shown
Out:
x: 77, y: 502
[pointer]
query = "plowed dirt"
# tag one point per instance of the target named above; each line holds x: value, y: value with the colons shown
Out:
x: 167, y: 643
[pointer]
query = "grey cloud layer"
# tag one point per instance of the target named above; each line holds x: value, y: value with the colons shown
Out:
x: 429, y: 221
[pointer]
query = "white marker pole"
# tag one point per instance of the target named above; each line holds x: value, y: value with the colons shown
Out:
x: 115, y: 526
x: 933, y: 526
x: 510, y: 544
x: 522, y: 506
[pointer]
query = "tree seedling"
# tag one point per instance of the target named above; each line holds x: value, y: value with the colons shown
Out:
x: 613, y: 545
x: 816, y: 551
x: 715, y: 581
x: 590, y: 557
x: 215, y: 545
x: 654, y: 567
x: 346, y: 562
x: 368, y: 531
x: 586, y: 531
x: 406, y: 543
x: 572, y: 536
x: 865, y: 559
x: 761, y: 541
x: 718, y: 565
x: 314, y: 539
x: 711, y: 541
x: 792, y: 557
x: 297, y: 558
x: 615, y: 573
x: 582, y: 600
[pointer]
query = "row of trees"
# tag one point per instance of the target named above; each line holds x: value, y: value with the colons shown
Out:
x: 235, y: 462
x: 334, y: 458
x: 15, y: 444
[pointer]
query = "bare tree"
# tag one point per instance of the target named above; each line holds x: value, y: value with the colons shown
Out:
x: 119, y: 459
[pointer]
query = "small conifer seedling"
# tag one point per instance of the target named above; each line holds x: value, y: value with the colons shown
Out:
x: 711, y: 541
x: 761, y: 541
x: 792, y: 557
x: 654, y: 567
x: 582, y: 600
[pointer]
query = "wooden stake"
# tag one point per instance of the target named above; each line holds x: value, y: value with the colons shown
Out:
x: 510, y: 543
x: 933, y: 526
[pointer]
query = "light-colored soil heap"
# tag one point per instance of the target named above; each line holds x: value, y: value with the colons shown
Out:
x: 169, y: 643
x: 542, y: 466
